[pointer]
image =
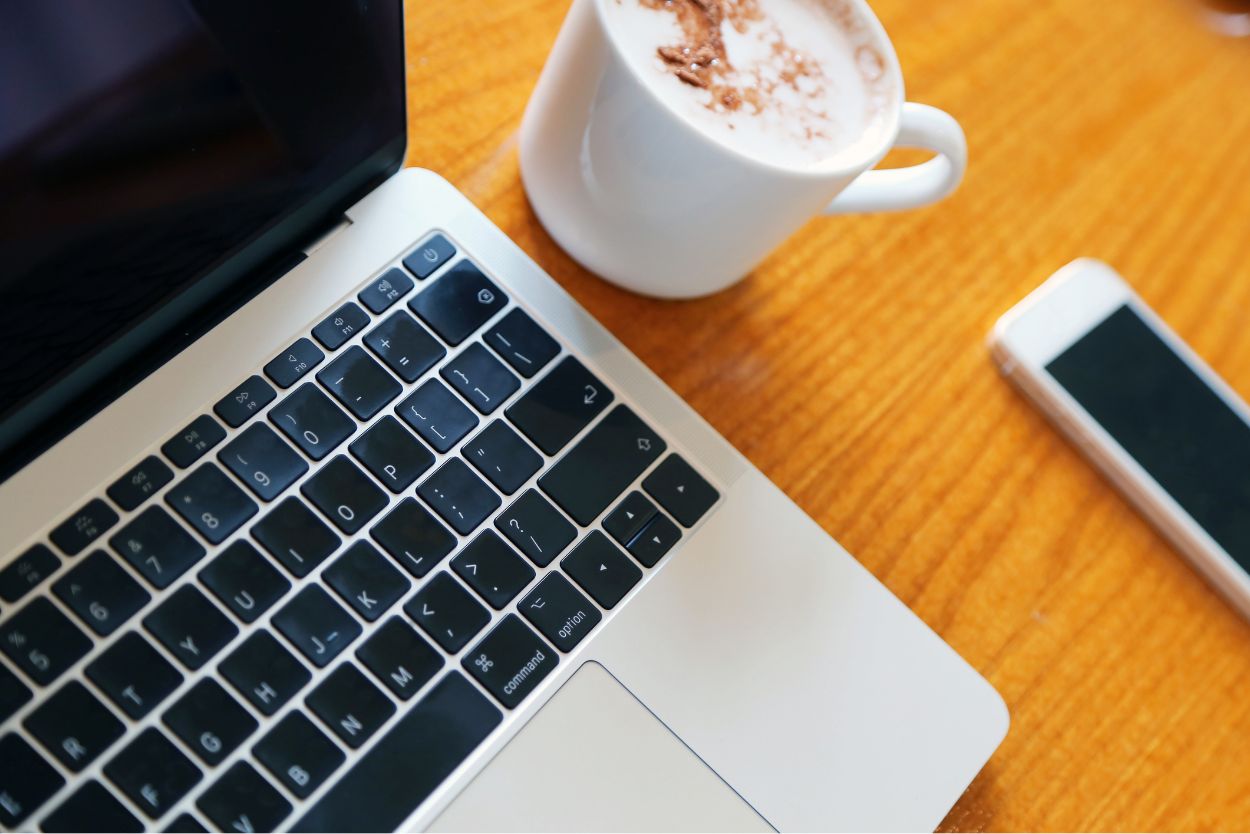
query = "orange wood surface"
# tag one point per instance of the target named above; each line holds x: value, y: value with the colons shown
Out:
x: 851, y: 368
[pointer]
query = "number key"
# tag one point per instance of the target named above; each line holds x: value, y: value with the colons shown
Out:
x: 42, y: 641
x: 312, y: 421
x: 263, y: 461
x: 157, y: 547
x: 211, y: 503
x: 101, y: 593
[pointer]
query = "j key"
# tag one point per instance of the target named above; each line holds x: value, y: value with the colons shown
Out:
x: 629, y: 517
x: 82, y: 528
x: 244, y: 581
x: 437, y: 415
x: 263, y: 461
x: 601, y: 569
x: 503, y: 457
x: 429, y: 256
x: 192, y: 442
x: 27, y: 571
x: 191, y: 627
x: 510, y: 661
x: 366, y: 580
x: 522, y: 343
x: 298, y: 754
x: 656, y: 539
x: 289, y: 367
x: 344, y: 494
x: 26, y: 780
x: 294, y: 536
x: 459, y: 303
x: 42, y: 641
x: 312, y: 421
x: 74, y: 726
x: 392, y: 454
x: 185, y: 823
x: 91, y: 808
x: 341, y: 325
x: 153, y: 773
x: 447, y: 612
x: 100, y: 593
x: 134, y: 675
x: 13, y: 693
x: 459, y: 496
x: 560, y: 405
x: 158, y: 547
x: 209, y: 721
x: 680, y: 490
x: 560, y: 612
x: 537, y: 528
x: 406, y: 347
x: 413, y: 537
x: 385, y: 290
x: 239, y: 406
x: 350, y: 706
x: 210, y: 502
x: 359, y: 383
x: 243, y: 801
x: 264, y: 673
x: 140, y: 483
x: 317, y: 625
x: 493, y: 569
x: 400, y: 658
x: 608, y: 459
x: 480, y: 378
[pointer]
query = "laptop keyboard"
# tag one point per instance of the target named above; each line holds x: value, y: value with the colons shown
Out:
x: 317, y: 600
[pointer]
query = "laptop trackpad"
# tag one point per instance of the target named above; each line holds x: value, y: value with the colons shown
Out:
x: 594, y: 759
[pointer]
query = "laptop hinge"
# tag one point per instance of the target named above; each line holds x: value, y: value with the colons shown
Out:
x: 325, y: 238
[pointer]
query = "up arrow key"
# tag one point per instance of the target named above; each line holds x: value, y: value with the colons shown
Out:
x: 602, y: 566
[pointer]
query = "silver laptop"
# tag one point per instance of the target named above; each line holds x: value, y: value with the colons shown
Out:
x: 324, y: 508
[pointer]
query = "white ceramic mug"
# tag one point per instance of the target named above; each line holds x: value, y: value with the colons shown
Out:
x: 642, y: 197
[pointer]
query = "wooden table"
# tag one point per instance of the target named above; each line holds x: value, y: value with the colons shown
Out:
x: 851, y: 368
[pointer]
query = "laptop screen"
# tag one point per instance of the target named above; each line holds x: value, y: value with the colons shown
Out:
x: 147, y: 147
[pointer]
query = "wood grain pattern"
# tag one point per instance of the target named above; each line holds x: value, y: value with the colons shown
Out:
x: 851, y: 369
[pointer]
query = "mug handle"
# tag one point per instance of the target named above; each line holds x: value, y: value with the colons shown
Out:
x: 921, y: 126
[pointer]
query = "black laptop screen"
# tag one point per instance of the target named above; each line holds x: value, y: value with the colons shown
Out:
x: 143, y: 143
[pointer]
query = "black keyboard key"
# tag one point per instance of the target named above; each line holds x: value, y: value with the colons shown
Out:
x: 522, y: 343
x: 480, y: 378
x: 244, y: 581
x: 344, y: 494
x: 158, y: 547
x: 503, y: 457
x: 26, y: 780
x: 13, y: 694
x: 656, y: 539
x: 290, y: 366
x: 385, y: 290
x: 560, y: 612
x: 601, y: 569
x: 367, y: 580
x: 312, y: 421
x: 459, y: 496
x: 185, y: 824
x: 211, y: 503
x: 74, y: 726
x: 538, y: 529
x: 413, y: 537
x: 263, y: 461
x: 427, y: 258
x: 42, y: 641
x: 680, y: 490
x: 392, y: 454
x: 209, y: 721
x: 510, y: 661
x: 406, y: 347
x: 82, y: 528
x: 447, y: 612
x: 294, y: 536
x: 100, y: 593
x: 241, y: 404
x: 264, y: 673
x: 191, y: 627
x: 27, y: 571
x: 602, y: 464
x: 350, y: 706
x: 459, y: 303
x: 336, y: 328
x: 408, y: 762
x: 317, y: 625
x: 359, y: 383
x: 140, y: 483
x: 243, y: 801
x: 153, y: 773
x: 298, y: 754
x: 400, y: 658
x: 437, y: 415
x: 91, y: 808
x: 194, y: 441
x: 629, y: 517
x: 493, y: 569
x: 560, y: 405
x: 134, y: 675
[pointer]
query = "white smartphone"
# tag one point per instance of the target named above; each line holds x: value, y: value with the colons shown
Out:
x: 1162, y: 426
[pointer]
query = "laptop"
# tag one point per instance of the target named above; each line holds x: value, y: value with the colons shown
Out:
x: 324, y: 508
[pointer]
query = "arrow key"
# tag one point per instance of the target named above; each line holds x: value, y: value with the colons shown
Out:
x: 629, y: 517
x: 656, y: 539
x: 601, y: 569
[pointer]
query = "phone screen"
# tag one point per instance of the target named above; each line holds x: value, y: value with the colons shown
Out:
x: 1163, y: 414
